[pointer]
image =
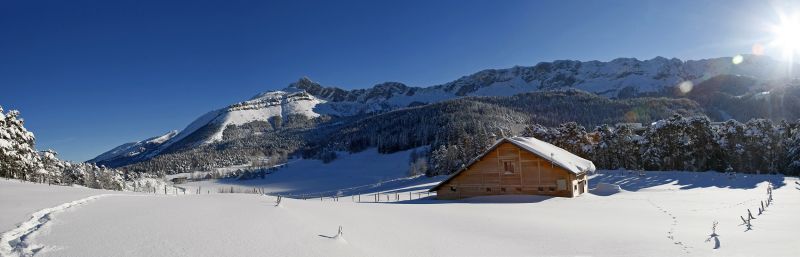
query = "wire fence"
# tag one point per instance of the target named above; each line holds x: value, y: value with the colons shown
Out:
x: 363, y: 193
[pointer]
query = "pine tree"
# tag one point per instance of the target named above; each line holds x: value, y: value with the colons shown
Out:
x: 731, y: 140
x: 573, y: 138
x: 604, y: 154
x: 18, y: 159
x: 793, y: 155
x: 701, y: 151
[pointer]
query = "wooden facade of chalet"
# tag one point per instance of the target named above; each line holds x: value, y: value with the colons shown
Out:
x: 510, y: 167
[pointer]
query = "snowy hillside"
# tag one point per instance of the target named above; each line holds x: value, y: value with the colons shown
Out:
x: 134, y: 148
x: 264, y: 106
x: 658, y: 214
x: 261, y: 107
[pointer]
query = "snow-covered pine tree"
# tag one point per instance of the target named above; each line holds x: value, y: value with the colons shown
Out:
x: 793, y: 155
x: 663, y: 143
x: 604, y: 154
x: 573, y: 138
x: 18, y: 159
x: 701, y: 151
x: 540, y: 132
x: 731, y: 140
x: 762, y: 146
x: 626, y: 147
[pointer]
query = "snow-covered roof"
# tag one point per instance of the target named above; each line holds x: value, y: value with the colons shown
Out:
x: 555, y: 154
x: 560, y: 157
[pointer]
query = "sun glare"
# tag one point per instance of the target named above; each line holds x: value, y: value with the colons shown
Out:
x: 787, y: 36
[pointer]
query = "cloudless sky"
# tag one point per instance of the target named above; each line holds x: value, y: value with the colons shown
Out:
x: 90, y: 75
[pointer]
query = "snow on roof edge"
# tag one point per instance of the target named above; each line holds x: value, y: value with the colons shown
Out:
x: 555, y: 154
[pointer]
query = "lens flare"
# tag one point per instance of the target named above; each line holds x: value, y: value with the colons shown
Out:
x: 686, y: 87
x: 737, y: 59
x: 758, y: 49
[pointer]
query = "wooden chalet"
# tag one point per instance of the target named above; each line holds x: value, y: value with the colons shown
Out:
x: 519, y: 166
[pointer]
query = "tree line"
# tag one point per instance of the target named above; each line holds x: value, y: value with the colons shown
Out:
x: 676, y: 143
x: 19, y: 159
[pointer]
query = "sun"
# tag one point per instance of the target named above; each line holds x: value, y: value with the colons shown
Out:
x: 787, y: 36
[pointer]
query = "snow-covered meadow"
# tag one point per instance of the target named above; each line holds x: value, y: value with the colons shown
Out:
x: 658, y: 214
x: 359, y: 173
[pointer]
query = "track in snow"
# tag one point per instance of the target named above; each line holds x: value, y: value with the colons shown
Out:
x: 13, y: 242
x: 671, y: 232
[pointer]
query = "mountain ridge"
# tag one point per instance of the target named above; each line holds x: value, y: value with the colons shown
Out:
x: 621, y: 77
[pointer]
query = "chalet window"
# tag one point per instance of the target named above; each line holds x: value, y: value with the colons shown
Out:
x: 519, y: 189
x: 552, y: 188
x: 508, y: 166
x: 503, y: 189
x: 453, y: 188
x: 562, y: 184
x: 488, y: 189
x: 541, y: 188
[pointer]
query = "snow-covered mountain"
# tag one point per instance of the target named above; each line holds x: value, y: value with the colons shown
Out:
x: 616, y: 78
x: 262, y: 107
x: 134, y: 148
x: 622, y: 75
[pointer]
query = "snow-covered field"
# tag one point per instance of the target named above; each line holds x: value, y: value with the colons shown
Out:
x: 19, y: 199
x: 659, y: 214
x: 367, y: 171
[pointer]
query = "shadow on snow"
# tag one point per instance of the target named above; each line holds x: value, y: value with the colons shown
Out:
x: 631, y: 181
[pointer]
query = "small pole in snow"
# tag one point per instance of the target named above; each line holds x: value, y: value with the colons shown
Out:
x: 750, y: 215
x: 714, y: 229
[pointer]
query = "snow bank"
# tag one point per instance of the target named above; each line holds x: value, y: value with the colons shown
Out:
x: 606, y: 189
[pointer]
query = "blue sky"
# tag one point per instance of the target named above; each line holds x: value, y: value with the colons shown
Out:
x: 90, y: 75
